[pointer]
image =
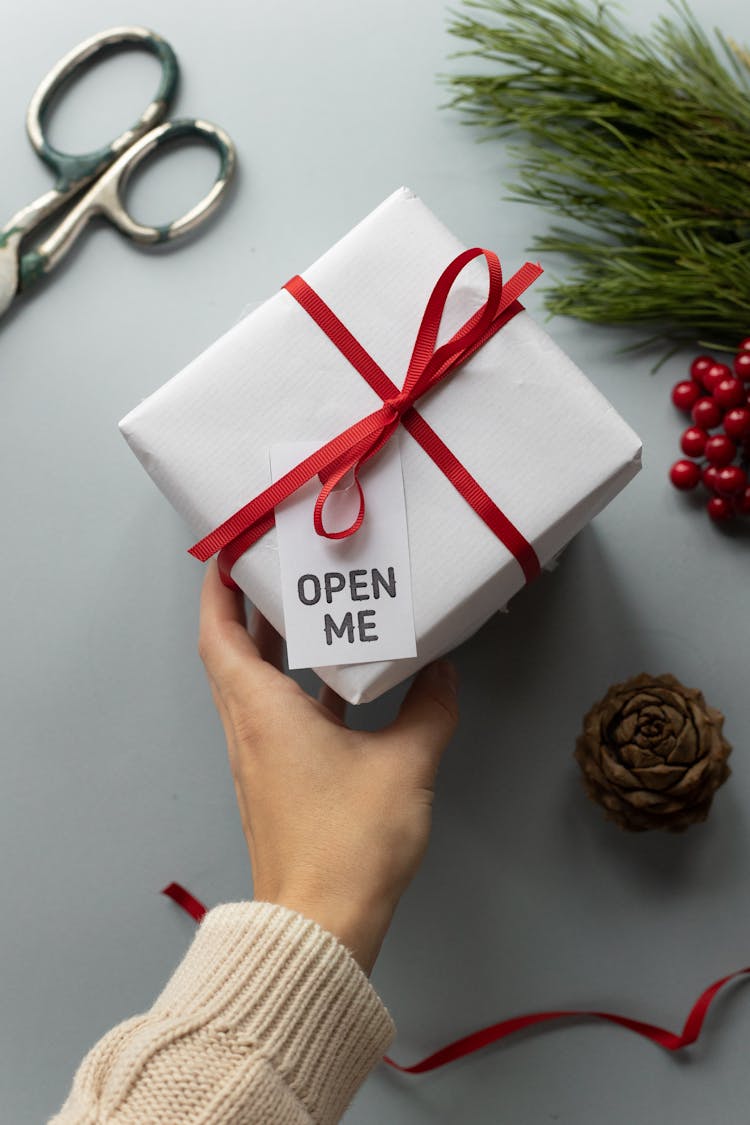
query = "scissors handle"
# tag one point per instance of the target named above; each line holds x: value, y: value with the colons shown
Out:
x: 72, y: 170
x: 104, y: 197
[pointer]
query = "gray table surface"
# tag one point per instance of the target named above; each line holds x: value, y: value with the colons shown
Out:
x: 113, y: 765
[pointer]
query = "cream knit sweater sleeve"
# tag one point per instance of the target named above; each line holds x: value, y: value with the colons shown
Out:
x: 268, y: 1020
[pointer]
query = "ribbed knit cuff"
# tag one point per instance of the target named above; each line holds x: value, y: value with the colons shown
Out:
x: 286, y: 986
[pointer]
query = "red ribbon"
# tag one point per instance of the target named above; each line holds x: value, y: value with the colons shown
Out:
x: 188, y: 902
x: 350, y: 450
x: 487, y: 1035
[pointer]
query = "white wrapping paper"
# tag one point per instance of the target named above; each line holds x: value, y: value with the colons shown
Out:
x: 537, y: 435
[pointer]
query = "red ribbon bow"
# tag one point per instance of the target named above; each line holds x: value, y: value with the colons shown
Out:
x: 350, y: 450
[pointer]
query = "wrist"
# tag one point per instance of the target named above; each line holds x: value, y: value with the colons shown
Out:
x: 360, y: 927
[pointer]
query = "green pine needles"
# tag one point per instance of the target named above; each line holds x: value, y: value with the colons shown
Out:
x: 641, y: 142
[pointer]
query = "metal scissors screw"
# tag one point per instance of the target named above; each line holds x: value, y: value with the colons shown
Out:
x: 106, y: 170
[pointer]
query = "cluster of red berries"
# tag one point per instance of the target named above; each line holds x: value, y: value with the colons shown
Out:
x: 718, y: 399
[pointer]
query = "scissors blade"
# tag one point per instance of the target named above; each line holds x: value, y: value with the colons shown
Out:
x: 8, y: 273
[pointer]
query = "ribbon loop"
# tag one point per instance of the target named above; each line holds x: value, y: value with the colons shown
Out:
x: 352, y: 448
x: 320, y: 503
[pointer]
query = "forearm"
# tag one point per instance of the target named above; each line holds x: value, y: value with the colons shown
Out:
x: 267, y: 1019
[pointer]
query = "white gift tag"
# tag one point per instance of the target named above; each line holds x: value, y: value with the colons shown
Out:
x: 346, y: 601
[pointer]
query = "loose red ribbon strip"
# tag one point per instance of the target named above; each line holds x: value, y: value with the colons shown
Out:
x: 188, y: 902
x: 487, y: 1035
x: 350, y: 450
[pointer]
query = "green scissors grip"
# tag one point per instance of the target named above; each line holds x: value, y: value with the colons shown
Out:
x: 72, y: 170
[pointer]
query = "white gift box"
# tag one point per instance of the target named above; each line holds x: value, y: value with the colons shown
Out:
x: 527, y: 424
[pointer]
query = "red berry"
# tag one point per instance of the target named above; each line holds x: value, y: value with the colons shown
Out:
x: 730, y: 392
x: 685, y: 394
x: 742, y: 503
x: 742, y: 365
x: 731, y: 479
x: 715, y: 374
x: 720, y: 449
x: 710, y: 478
x: 744, y: 345
x: 693, y: 441
x: 706, y: 413
x: 737, y: 422
x: 720, y: 509
x: 685, y: 474
x: 700, y: 366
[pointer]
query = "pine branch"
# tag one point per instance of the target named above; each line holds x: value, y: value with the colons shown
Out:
x: 641, y: 142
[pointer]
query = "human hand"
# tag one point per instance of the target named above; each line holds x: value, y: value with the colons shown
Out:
x: 336, y: 820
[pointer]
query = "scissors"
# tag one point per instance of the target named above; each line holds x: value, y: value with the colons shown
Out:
x: 93, y: 183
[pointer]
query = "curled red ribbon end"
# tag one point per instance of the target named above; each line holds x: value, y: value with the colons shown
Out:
x: 496, y: 1031
x: 353, y: 448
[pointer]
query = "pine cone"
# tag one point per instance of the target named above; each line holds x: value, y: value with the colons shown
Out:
x: 652, y: 754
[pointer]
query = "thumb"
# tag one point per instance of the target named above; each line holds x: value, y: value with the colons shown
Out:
x: 428, y: 716
x: 224, y: 644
